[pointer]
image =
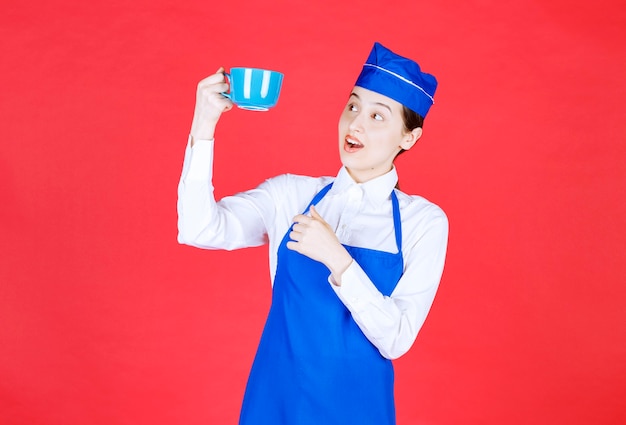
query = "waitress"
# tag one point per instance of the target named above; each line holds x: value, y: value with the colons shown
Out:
x: 354, y: 262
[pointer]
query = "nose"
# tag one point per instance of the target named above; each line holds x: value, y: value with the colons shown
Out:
x: 356, y: 122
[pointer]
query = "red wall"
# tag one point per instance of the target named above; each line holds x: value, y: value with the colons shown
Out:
x: 105, y: 319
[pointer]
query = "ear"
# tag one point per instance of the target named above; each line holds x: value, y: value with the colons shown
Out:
x: 410, y: 138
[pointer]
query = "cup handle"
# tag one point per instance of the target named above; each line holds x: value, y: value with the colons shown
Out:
x: 227, y: 95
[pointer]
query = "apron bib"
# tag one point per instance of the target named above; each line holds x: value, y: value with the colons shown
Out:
x: 314, y: 365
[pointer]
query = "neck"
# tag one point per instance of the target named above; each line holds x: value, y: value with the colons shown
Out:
x: 363, y: 176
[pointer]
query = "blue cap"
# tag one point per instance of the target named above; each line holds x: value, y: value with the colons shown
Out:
x: 399, y: 78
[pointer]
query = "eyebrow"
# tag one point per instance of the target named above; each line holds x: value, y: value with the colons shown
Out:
x: 375, y: 103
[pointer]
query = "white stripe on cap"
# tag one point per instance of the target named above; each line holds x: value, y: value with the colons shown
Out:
x: 402, y: 78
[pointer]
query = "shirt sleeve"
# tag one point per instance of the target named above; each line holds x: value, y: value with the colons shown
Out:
x: 392, y: 323
x: 234, y: 222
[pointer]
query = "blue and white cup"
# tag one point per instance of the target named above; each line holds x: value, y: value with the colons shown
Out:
x: 254, y: 89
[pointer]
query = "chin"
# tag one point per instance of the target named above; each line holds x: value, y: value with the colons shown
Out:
x: 346, y: 161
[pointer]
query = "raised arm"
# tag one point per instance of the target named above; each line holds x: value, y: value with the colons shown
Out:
x: 234, y: 222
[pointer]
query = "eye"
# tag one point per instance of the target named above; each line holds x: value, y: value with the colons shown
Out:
x: 377, y: 117
x: 352, y: 107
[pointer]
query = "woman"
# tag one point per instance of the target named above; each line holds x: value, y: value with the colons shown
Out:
x: 355, y: 262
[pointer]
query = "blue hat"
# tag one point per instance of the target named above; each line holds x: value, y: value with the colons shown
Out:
x: 399, y: 78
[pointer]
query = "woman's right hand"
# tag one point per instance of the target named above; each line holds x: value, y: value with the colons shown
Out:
x: 210, y: 104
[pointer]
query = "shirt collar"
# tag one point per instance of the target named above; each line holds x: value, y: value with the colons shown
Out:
x: 377, y: 190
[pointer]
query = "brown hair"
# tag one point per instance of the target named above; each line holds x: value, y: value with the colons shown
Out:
x: 412, y: 120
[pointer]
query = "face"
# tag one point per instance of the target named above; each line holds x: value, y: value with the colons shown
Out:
x: 371, y: 133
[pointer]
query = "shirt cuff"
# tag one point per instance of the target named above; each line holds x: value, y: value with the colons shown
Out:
x: 200, y: 161
x: 357, y: 291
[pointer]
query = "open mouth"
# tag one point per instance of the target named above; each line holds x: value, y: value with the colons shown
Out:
x: 352, y: 145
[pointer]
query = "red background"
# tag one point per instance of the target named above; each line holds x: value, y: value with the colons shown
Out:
x: 105, y: 319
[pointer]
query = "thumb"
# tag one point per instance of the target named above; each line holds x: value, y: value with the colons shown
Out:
x: 315, y: 214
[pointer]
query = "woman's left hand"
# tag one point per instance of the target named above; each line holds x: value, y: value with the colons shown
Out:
x: 313, y: 237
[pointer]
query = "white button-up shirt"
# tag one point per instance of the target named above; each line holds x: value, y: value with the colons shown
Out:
x: 360, y: 213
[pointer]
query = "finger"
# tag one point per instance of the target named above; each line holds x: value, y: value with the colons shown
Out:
x: 216, y: 91
x: 213, y: 79
x: 315, y: 214
x: 208, y: 90
x: 218, y: 100
x: 225, y: 105
x: 213, y: 85
x: 295, y: 236
x: 317, y: 217
x: 292, y: 246
x: 301, y: 218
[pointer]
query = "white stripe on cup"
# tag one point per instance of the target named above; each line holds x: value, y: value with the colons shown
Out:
x: 265, y: 85
x: 247, y: 83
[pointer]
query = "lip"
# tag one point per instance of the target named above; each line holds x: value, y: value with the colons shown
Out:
x: 352, y: 144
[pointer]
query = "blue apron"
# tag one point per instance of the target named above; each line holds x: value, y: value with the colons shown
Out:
x: 314, y: 365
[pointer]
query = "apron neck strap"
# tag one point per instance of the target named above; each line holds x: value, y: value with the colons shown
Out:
x: 318, y: 197
x: 397, y: 222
